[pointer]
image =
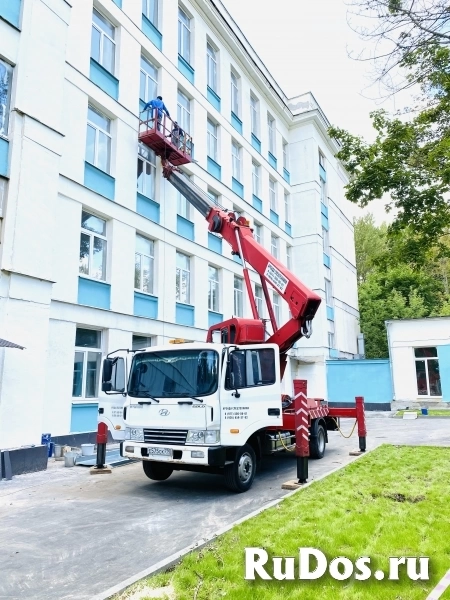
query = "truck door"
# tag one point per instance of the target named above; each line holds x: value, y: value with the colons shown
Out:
x: 113, y: 394
x: 250, y: 392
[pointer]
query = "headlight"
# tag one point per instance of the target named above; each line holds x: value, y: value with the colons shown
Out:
x: 196, y: 436
x: 134, y: 433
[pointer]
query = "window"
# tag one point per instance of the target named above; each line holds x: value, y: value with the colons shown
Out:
x: 287, y: 211
x: 259, y: 300
x: 146, y: 171
x: 212, y: 140
x: 211, y: 67
x: 289, y: 257
x: 214, y: 197
x: 274, y: 245
x: 236, y: 160
x: 183, y: 205
x: 184, y: 111
x: 93, y: 246
x: 427, y: 372
x: 234, y: 93
x: 183, y: 278
x: 150, y: 10
x: 257, y: 231
x: 273, y: 195
x: 86, y: 365
x: 276, y: 306
x: 213, y: 288
x: 326, y: 241
x: 103, y: 46
x: 98, y: 140
x: 285, y: 156
x: 331, y: 340
x: 144, y: 265
x: 238, y: 297
x: 149, y: 80
x: 184, y: 35
x: 323, y: 192
x: 140, y: 342
x: 271, y: 130
x: 254, y: 115
x: 321, y: 159
x: 6, y: 72
x: 328, y: 293
x: 255, y: 178
x: 249, y: 368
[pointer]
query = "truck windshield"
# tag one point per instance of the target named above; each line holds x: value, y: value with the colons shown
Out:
x: 174, y: 373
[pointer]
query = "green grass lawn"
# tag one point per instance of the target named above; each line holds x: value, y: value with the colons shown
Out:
x: 395, y: 501
x: 431, y: 412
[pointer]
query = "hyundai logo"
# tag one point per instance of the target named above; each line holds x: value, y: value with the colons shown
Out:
x: 164, y: 412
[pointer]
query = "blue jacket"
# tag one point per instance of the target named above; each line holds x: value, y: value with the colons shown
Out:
x: 159, y: 104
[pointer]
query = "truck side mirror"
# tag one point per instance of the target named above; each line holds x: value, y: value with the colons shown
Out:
x: 113, y: 376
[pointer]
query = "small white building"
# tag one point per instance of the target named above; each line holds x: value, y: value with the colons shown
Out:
x: 94, y: 242
x: 419, y: 351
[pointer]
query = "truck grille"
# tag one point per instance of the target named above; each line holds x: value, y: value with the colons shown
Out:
x: 176, y: 437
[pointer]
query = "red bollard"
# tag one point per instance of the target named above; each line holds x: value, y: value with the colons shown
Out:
x: 102, y: 438
x: 361, y: 419
x: 301, y: 434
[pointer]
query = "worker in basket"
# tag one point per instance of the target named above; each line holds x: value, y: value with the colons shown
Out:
x: 177, y: 135
x: 157, y: 104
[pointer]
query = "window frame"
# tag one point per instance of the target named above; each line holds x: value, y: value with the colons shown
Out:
x: 146, y: 161
x: 271, y: 130
x: 152, y: 266
x: 256, y: 171
x: 276, y: 306
x: 183, y: 205
x: 259, y: 300
x: 183, y: 113
x: 182, y: 29
x: 328, y: 292
x: 235, y: 92
x: 238, y: 296
x: 98, y: 129
x: 254, y: 115
x: 236, y: 151
x: 289, y: 257
x: 213, y: 288
x: 331, y: 334
x: 143, y: 337
x: 426, y: 359
x: 148, y: 77
x: 92, y: 235
x: 103, y: 34
x: 273, y: 201
x: 255, y: 385
x: 287, y: 207
x: 212, y: 136
x: 257, y: 232
x: 85, y: 350
x: 326, y: 241
x: 146, y: 11
x: 285, y: 155
x: 4, y: 120
x: 212, y: 73
x: 179, y: 271
x: 274, y: 245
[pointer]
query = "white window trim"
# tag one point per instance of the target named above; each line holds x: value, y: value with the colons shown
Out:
x: 211, y: 58
x: 215, y: 137
x: 93, y: 234
x: 256, y: 179
x: 235, y: 89
x: 184, y: 28
x: 236, y: 160
x: 271, y: 134
x: 182, y: 270
x: 147, y: 11
x: 184, y: 113
x: 426, y: 359
x: 238, y: 293
x: 273, y: 195
x: 153, y: 168
x: 285, y: 155
x: 257, y: 232
x: 105, y: 132
x: 148, y: 76
x: 104, y: 34
x: 274, y: 245
x: 213, y: 283
x: 254, y: 116
x: 85, y: 350
x: 259, y: 300
x: 152, y: 259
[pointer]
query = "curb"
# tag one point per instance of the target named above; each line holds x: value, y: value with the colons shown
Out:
x: 173, y: 559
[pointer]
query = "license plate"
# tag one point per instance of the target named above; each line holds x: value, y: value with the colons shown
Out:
x: 161, y: 452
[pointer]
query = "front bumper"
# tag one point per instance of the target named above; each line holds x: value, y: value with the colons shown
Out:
x: 213, y: 456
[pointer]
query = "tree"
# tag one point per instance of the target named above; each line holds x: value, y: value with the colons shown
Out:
x: 370, y: 245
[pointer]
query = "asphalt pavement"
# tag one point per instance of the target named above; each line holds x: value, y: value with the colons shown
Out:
x: 66, y: 534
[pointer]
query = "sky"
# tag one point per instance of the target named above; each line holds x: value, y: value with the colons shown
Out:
x: 305, y: 44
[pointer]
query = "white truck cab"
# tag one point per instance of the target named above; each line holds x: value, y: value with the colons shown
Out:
x: 194, y: 406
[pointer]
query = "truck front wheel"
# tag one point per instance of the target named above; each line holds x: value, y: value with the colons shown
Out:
x: 318, y: 442
x: 240, y: 475
x: 157, y: 471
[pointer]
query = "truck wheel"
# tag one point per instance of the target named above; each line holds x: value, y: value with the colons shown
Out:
x: 239, y: 476
x: 157, y: 471
x: 318, y: 442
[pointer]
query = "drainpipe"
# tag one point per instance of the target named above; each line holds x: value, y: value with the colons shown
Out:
x: 387, y: 323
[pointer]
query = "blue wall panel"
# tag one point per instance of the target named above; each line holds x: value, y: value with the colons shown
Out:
x: 236, y: 122
x: 325, y: 222
x: 257, y: 203
x: 286, y: 175
x: 83, y: 418
x: 147, y: 208
x: 118, y: 2
x: 214, y: 243
x: 214, y: 317
x: 371, y: 379
x: 185, y: 68
x: 184, y: 314
x: 10, y: 11
x: 213, y: 98
x: 330, y: 313
x: 326, y: 260
x: 104, y: 79
x: 99, y: 181
x: 256, y: 143
x: 322, y: 173
x: 185, y: 228
x: 214, y: 168
x: 324, y: 209
x: 145, y: 306
x: 4, y: 151
x: 287, y: 228
x: 272, y: 161
x: 237, y: 187
x: 274, y: 217
x: 151, y: 32
x: 444, y: 370
x: 94, y: 293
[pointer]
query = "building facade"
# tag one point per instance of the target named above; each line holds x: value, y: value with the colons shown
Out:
x: 98, y: 251
x: 419, y: 351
